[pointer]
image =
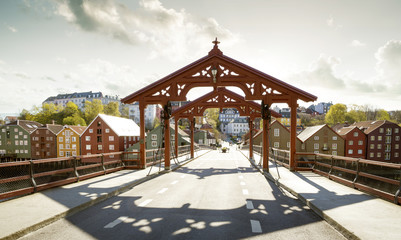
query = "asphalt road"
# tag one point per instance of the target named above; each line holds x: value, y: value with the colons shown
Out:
x: 218, y: 196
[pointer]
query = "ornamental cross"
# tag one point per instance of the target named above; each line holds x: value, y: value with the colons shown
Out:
x: 215, y: 42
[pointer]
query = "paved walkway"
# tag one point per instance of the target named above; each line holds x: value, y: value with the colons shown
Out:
x: 26, y: 214
x: 355, y: 214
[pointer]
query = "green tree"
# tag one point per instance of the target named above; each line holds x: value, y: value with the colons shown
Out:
x: 75, y: 119
x: 336, y: 114
x: 46, y: 114
x: 26, y: 115
x: 92, y: 109
x: 382, y: 115
x: 125, y: 112
x: 112, y: 109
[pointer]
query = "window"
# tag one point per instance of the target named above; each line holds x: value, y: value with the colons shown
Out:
x: 316, y: 146
x: 90, y: 130
x: 26, y: 142
x: 356, y: 134
x: 350, y: 142
x: 37, y: 145
x: 154, y: 137
x: 316, y: 152
x: 288, y: 144
x: 47, y: 145
x: 381, y: 130
x: 397, y: 146
x: 88, y: 138
x: 389, y: 131
x: 16, y: 136
x: 154, y: 144
x: 334, y: 138
x: 74, y: 153
x: 61, y: 154
x: 99, y: 138
x: 303, y: 146
x: 17, y: 151
x: 379, y: 146
x: 397, y: 138
x: 74, y: 146
x: 372, y: 155
x: 316, y: 138
x: 111, y: 147
x: 67, y: 140
x: 396, y: 130
x: 67, y: 154
x: 276, y: 144
x: 15, y: 129
x: 350, y: 151
x: 359, y: 151
x: 99, y: 147
x: 334, y: 153
x: 37, y: 154
x: 61, y: 146
x: 67, y: 133
x: 99, y: 123
x: 388, y: 139
x: 60, y: 139
x: 372, y: 138
x: 360, y: 142
x: 372, y: 146
x: 334, y: 146
x: 67, y: 146
x: 16, y: 142
x: 26, y: 136
x: 47, y: 153
x: 111, y: 138
x: 99, y: 131
x: 387, y: 156
x: 379, y: 138
x: 379, y: 154
x: 88, y: 147
x: 74, y: 139
x: 396, y: 154
x: 276, y: 132
x: 107, y: 130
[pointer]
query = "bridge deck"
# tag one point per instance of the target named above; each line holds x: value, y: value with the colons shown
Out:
x: 355, y: 213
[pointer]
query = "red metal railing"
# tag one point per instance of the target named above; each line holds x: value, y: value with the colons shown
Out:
x: 19, y: 178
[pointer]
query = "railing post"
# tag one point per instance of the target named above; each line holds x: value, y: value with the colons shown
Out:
x: 122, y: 159
x: 31, y: 174
x: 102, y: 160
x: 314, y: 162
x: 331, y: 165
x: 397, y: 194
x: 74, y: 162
x: 357, y: 173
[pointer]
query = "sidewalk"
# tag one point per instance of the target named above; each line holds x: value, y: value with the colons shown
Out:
x: 28, y: 213
x: 355, y: 214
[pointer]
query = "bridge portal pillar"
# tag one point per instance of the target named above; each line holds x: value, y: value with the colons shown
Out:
x: 266, y: 145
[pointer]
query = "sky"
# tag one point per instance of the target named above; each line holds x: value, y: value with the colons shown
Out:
x: 341, y: 51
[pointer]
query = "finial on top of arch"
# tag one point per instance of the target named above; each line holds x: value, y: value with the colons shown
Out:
x: 215, y: 50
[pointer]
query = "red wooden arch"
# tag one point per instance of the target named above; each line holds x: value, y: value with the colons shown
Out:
x: 255, y: 84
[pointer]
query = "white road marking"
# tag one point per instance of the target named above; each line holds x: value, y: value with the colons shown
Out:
x: 242, y: 183
x: 115, y: 222
x: 174, y: 182
x: 144, y: 203
x: 245, y: 191
x: 256, y: 228
x: 249, y: 204
x: 162, y: 191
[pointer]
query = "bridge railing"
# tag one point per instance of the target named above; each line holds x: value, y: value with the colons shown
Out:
x: 378, y: 178
x: 23, y: 177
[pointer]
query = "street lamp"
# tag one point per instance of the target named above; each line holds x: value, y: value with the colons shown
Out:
x: 214, y: 73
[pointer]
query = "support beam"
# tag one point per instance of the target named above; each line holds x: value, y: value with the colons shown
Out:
x: 266, y: 145
x: 176, y: 137
x: 251, y: 138
x: 293, y: 132
x: 167, y: 144
x: 142, y: 138
x: 192, y: 136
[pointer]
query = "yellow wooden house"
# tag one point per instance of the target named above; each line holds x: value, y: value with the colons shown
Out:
x: 69, y: 141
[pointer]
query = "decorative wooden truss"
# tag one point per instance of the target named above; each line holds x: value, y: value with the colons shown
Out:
x: 220, y: 98
x: 255, y: 84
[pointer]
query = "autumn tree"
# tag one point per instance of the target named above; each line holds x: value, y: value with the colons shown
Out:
x: 92, y: 109
x: 336, y: 114
x: 382, y: 115
x: 112, y: 109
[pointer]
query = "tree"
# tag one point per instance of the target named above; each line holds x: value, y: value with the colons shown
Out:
x: 125, y: 112
x: 382, y: 115
x: 336, y: 114
x: 75, y: 119
x: 92, y: 109
x: 26, y: 115
x: 47, y: 114
x: 112, y: 109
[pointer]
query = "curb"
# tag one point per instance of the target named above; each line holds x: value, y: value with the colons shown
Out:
x: 92, y: 202
x: 341, y: 229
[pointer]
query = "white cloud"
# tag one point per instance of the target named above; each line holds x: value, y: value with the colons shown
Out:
x: 332, y: 23
x: 12, y: 29
x: 357, y: 43
x: 389, y: 63
x: 169, y: 33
